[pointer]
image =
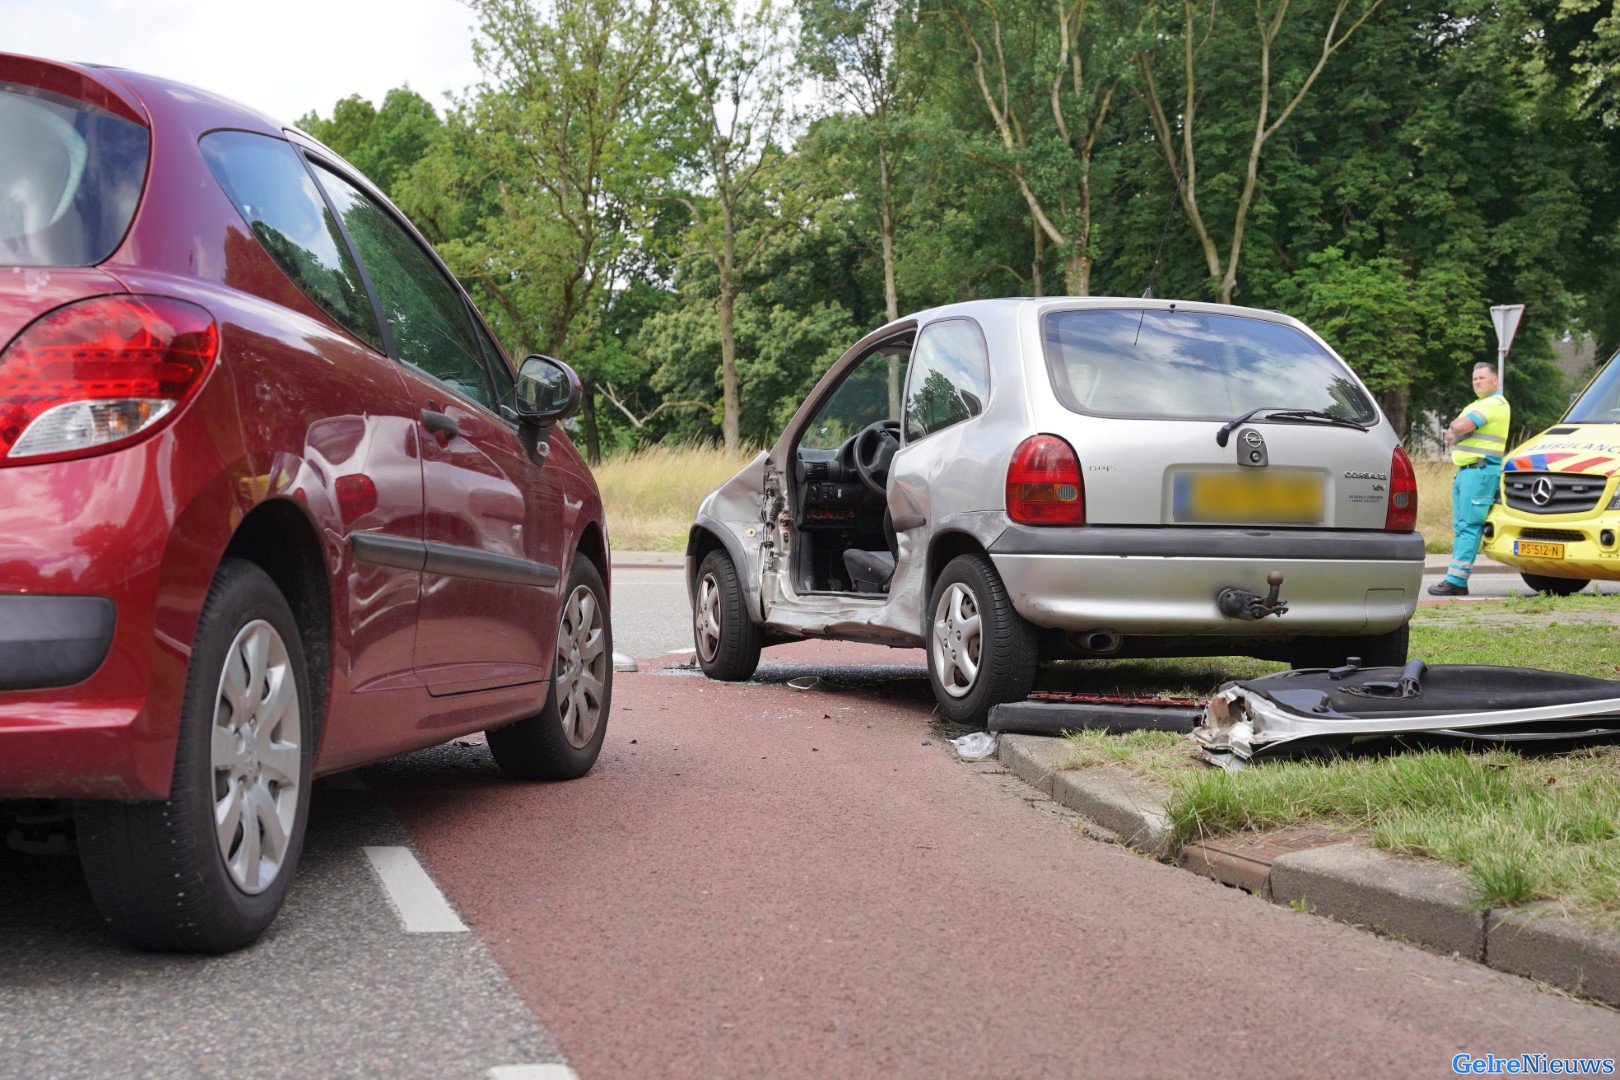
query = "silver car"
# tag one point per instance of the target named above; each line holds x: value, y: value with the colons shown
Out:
x: 1006, y: 481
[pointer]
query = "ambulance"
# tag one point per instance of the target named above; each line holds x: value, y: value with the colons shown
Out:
x: 1557, y: 515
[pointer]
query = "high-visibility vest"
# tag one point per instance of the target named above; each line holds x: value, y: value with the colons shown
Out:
x: 1488, y: 441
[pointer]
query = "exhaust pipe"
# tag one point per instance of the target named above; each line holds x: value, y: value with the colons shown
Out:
x: 1097, y: 642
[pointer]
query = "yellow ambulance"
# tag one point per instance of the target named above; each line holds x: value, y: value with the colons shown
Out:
x: 1557, y: 515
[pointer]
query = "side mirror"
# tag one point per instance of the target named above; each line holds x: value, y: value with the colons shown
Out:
x: 548, y: 392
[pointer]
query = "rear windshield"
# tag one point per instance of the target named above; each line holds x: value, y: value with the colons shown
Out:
x: 70, y: 176
x: 1186, y: 365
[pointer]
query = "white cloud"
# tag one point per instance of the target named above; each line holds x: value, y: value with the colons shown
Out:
x: 282, y: 57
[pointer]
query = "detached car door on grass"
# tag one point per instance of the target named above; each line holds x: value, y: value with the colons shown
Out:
x: 488, y: 607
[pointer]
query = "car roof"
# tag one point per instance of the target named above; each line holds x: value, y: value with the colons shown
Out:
x: 204, y: 109
x: 1011, y: 307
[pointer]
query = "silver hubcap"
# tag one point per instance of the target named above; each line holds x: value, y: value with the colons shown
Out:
x: 706, y: 618
x: 956, y: 640
x: 582, y: 667
x: 255, y: 754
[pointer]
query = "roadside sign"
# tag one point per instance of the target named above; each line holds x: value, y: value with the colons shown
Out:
x: 1505, y: 317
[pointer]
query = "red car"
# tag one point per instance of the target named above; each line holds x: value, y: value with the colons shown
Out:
x: 275, y: 504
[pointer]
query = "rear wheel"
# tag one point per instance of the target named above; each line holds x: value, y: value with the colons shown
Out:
x: 1555, y: 586
x: 727, y: 638
x: 981, y: 652
x: 1375, y: 650
x: 563, y: 739
x: 206, y: 870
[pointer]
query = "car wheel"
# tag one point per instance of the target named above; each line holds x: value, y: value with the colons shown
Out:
x: 1375, y: 650
x: 1555, y: 586
x: 727, y: 638
x: 981, y: 652
x: 206, y: 870
x: 563, y: 739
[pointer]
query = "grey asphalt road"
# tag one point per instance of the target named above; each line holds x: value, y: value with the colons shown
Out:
x: 1495, y: 586
x: 337, y: 988
x: 651, y: 615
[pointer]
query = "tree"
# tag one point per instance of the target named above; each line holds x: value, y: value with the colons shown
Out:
x: 1198, y: 24
x: 738, y: 88
x: 1077, y: 56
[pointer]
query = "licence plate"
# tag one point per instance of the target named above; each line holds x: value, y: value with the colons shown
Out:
x: 1278, y: 498
x: 1534, y: 549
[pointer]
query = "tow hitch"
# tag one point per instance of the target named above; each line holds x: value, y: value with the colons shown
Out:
x: 1236, y: 603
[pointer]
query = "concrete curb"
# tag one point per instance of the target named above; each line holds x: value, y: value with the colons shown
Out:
x: 1425, y: 903
x: 1106, y: 796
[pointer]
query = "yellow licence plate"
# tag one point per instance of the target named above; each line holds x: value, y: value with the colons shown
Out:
x: 1532, y: 549
x: 1279, y: 498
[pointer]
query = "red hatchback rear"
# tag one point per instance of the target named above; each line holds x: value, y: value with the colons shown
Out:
x: 275, y: 503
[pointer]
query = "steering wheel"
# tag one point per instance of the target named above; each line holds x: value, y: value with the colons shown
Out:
x: 875, y: 447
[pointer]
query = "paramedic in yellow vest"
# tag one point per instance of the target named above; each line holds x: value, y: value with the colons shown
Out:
x: 1478, y: 439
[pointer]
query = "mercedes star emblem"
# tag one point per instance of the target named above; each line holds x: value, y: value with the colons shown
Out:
x: 1542, y: 493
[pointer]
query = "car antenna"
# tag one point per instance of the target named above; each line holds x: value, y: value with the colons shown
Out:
x: 1153, y: 271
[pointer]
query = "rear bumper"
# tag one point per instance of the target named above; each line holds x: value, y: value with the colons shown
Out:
x: 1163, y: 581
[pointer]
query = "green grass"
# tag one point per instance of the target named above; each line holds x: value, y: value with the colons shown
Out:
x: 1523, y: 828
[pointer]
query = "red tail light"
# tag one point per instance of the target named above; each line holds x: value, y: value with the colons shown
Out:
x: 1043, y: 483
x: 96, y: 374
x: 1402, y: 514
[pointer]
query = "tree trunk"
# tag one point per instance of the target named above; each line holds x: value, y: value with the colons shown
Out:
x: 731, y: 400
x: 1077, y: 272
x: 891, y: 299
x: 1396, y: 404
x: 1037, y: 276
x: 593, y: 437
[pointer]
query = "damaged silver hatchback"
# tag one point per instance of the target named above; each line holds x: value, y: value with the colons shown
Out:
x: 1006, y: 481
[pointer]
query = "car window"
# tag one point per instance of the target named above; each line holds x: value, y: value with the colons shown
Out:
x: 861, y: 399
x: 70, y: 177
x: 426, y: 317
x: 950, y: 377
x: 272, y: 190
x: 1192, y: 365
x: 504, y: 383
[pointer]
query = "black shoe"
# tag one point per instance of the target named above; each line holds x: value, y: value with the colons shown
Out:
x: 1448, y: 588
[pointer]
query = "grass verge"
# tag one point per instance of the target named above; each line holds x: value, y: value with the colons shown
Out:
x: 1522, y: 827
x: 650, y: 496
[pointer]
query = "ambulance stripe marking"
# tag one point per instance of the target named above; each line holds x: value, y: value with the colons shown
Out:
x: 1587, y: 465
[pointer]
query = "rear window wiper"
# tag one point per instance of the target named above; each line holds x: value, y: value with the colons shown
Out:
x: 1279, y: 412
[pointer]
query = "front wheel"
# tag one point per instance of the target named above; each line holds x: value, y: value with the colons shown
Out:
x: 563, y: 739
x: 1375, y: 650
x: 728, y: 640
x: 1555, y: 586
x: 206, y: 870
x: 981, y: 652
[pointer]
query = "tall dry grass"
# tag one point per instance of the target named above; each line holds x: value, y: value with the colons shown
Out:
x: 651, y: 495
x: 1434, y: 477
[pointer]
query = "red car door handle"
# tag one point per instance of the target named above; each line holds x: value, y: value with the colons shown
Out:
x: 440, y: 423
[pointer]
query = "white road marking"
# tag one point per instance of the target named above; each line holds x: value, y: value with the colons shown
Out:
x: 554, y: 1070
x: 421, y: 906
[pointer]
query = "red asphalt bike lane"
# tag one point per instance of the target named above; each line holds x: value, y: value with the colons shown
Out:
x: 756, y: 881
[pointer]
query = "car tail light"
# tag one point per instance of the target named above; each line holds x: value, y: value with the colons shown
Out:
x: 1402, y: 514
x: 1043, y: 483
x: 96, y: 374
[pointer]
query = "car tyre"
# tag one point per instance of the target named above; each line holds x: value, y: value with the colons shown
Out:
x: 563, y: 739
x: 163, y: 875
x: 1375, y: 650
x: 1555, y: 586
x: 727, y: 639
x: 981, y: 652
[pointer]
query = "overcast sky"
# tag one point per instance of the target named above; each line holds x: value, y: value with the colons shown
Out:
x: 282, y: 57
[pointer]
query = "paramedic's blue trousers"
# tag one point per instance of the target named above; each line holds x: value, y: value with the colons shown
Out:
x: 1471, y: 496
